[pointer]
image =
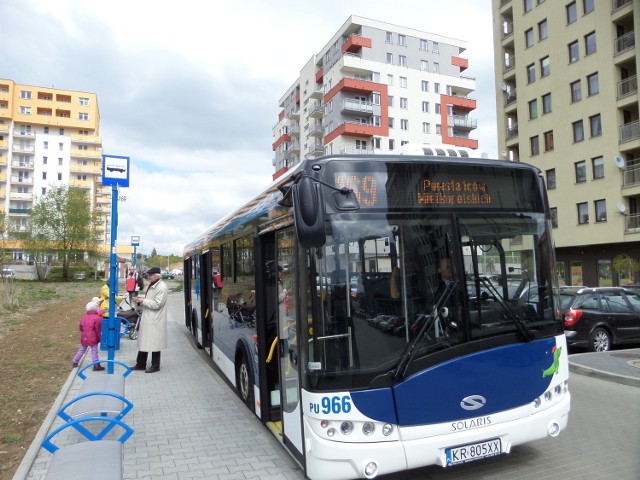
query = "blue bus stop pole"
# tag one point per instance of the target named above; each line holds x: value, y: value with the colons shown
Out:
x: 113, y: 338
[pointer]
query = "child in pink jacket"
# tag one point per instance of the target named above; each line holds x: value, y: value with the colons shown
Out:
x: 90, y: 332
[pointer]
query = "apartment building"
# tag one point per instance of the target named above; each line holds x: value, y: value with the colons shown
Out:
x: 48, y: 137
x: 567, y: 102
x: 374, y: 88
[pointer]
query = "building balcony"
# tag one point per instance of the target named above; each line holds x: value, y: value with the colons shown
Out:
x: 91, y: 139
x: 22, y: 164
x: 316, y: 111
x: 80, y: 183
x: 21, y: 196
x: 4, y: 145
x: 316, y: 149
x: 3, y: 161
x: 295, y: 147
x: 631, y: 176
x: 294, y: 130
x: 92, y: 169
x: 632, y: 223
x: 24, y: 133
x: 29, y: 149
x: 462, y: 122
x: 627, y: 87
x: 316, y: 130
x: 618, y: 4
x: 512, y: 131
x: 357, y: 106
x: 86, y: 154
x: 630, y: 131
x: 317, y: 93
x: 295, y: 115
x: 355, y: 43
x: 283, y: 138
x: 356, y: 150
x: 21, y: 180
x: 510, y: 97
x: 4, y: 128
x: 3, y: 194
x: 624, y: 43
x: 20, y: 211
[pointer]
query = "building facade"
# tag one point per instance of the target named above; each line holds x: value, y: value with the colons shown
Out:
x: 374, y: 88
x: 567, y: 102
x: 49, y: 137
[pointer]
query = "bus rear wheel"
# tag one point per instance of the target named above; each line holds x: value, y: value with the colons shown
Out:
x: 244, y: 383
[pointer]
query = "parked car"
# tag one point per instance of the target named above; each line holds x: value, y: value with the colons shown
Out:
x: 168, y: 274
x: 600, y: 318
x: 8, y: 273
x: 79, y: 276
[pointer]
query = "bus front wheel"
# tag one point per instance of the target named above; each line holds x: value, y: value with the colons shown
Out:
x: 243, y: 381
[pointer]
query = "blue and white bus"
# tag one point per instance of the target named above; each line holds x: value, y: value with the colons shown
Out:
x: 383, y: 313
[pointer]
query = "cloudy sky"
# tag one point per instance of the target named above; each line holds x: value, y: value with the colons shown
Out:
x: 189, y: 90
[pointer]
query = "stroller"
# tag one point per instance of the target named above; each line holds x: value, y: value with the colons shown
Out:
x: 129, y: 320
x: 240, y: 311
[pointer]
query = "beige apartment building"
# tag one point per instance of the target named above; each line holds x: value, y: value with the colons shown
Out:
x: 567, y: 102
x: 376, y: 88
x: 49, y: 137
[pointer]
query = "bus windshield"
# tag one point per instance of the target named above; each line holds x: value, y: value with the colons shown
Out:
x: 388, y: 284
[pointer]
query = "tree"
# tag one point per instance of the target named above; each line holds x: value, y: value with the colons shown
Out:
x: 625, y: 266
x: 62, y: 223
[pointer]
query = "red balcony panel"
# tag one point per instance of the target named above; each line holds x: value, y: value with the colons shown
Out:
x: 320, y: 75
x: 456, y: 141
x: 354, y: 85
x: 459, y: 102
x: 298, y: 98
x: 463, y: 63
x: 283, y: 138
x: 280, y: 172
x: 354, y: 43
x: 281, y: 116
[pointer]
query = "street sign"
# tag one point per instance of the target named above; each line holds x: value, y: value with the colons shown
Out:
x: 135, y: 241
x: 115, y: 170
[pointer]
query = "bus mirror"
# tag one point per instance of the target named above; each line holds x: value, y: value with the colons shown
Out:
x: 308, y: 213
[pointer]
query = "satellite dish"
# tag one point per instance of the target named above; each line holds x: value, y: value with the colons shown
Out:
x: 622, y: 207
x: 619, y: 162
x: 502, y: 86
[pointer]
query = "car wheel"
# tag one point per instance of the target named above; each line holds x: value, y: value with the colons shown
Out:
x: 244, y: 383
x: 600, y: 340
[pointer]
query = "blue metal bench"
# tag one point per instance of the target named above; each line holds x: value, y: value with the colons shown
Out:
x: 96, y: 458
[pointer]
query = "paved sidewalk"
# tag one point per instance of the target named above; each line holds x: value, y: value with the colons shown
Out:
x: 188, y: 423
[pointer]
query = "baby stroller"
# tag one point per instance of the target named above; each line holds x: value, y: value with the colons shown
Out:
x: 240, y: 312
x: 129, y: 321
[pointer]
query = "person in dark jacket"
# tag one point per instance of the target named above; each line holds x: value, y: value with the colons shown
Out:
x: 90, y: 333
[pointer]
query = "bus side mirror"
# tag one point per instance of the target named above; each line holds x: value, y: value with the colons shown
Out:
x: 308, y: 213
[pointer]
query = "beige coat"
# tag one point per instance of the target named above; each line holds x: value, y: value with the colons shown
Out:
x: 153, y: 325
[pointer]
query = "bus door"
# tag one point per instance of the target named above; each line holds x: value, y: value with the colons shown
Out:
x: 206, y: 303
x: 288, y: 335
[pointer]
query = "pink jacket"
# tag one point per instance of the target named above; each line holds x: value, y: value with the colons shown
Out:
x: 90, y: 328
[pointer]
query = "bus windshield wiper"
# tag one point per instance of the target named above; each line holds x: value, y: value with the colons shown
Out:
x: 525, y: 331
x: 412, y: 348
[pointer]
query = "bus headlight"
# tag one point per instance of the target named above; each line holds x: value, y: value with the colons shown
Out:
x: 368, y: 428
x: 387, y: 429
x: 346, y: 428
x: 370, y: 470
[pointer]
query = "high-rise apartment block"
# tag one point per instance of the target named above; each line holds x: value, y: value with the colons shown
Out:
x: 49, y: 137
x: 567, y: 102
x: 373, y: 88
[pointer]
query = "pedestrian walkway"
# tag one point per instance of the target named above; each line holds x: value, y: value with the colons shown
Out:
x: 189, y: 424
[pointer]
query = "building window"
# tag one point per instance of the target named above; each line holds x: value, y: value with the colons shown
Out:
x: 583, y: 213
x: 531, y: 73
x: 424, y: 45
x: 25, y: 110
x: 554, y: 217
x: 424, y: 66
x: 377, y: 143
x: 45, y: 145
x: 545, y: 66
x: 83, y: 116
x: 59, y: 161
x: 548, y: 141
x: 44, y: 191
x: 543, y: 30
x: 596, y: 125
x: 375, y: 98
x: 533, y: 109
x: 601, y: 210
x: 581, y: 171
x: 578, y: 131
x: 25, y: 94
x: 389, y: 37
x: 402, y: 40
x: 436, y: 67
x: 574, y: 52
x: 425, y: 86
x: 392, y: 144
x: 404, y: 103
x: 436, y: 47
x: 59, y: 176
x: 551, y: 179
x: 390, y: 122
x: 425, y: 107
x: 44, y: 175
x: 61, y: 131
x: 45, y: 160
x: 402, y: 60
x: 590, y: 43
x: 390, y: 79
x: 572, y: 12
x: 390, y: 100
x: 404, y: 124
x: 528, y: 5
x: 403, y: 82
x: 546, y: 103
x: 438, y: 129
x: 390, y: 58
x: 576, y: 91
x: 528, y: 38
x: 437, y: 109
x: 534, y: 143
x: 83, y: 101
x: 426, y: 127
x: 588, y: 5
x: 597, y: 164
x: 593, y: 84
x: 436, y: 87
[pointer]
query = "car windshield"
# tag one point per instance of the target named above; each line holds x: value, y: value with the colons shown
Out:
x: 393, y: 284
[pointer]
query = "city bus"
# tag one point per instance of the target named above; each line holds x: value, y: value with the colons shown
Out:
x: 383, y: 313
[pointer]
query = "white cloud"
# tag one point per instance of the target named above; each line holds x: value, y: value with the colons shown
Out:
x: 190, y: 90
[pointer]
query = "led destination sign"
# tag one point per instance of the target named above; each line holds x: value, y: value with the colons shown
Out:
x: 438, y: 185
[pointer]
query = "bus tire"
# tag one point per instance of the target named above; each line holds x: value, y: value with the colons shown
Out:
x: 244, y: 383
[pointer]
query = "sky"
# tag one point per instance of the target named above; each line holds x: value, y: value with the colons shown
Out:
x: 189, y: 90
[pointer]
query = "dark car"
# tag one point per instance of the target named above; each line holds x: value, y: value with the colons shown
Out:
x: 600, y: 318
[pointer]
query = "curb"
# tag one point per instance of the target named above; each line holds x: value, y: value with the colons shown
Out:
x: 604, y: 375
x: 29, y: 458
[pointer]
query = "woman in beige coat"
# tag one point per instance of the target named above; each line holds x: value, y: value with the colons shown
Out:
x: 153, y: 324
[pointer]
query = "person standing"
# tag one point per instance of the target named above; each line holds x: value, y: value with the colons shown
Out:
x: 90, y: 333
x: 132, y: 284
x: 153, y: 324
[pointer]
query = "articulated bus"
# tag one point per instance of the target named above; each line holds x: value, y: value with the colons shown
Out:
x: 383, y: 313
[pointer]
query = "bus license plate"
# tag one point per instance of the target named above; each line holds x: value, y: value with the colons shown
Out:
x: 473, y: 451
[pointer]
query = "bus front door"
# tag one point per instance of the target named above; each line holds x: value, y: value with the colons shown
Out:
x: 288, y: 340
